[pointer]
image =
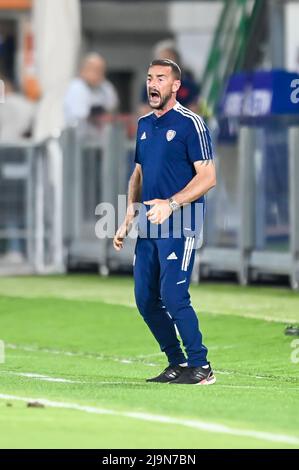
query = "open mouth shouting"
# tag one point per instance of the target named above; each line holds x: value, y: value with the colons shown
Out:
x: 154, y: 97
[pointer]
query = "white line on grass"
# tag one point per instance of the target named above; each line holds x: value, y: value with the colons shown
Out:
x: 47, y: 378
x: 100, y: 357
x: 125, y: 303
x: 138, y: 360
x: 250, y: 315
x: 195, y: 424
x: 145, y: 356
x: 259, y: 387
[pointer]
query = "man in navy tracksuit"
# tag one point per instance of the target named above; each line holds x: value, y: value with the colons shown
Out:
x: 174, y: 170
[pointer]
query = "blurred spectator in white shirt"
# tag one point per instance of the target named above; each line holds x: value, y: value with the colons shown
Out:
x: 16, y: 114
x: 90, y: 94
x: 16, y: 121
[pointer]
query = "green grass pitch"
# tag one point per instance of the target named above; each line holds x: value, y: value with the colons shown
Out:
x: 78, y: 345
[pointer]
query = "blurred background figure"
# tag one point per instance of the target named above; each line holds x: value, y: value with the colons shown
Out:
x: 16, y: 117
x: 16, y: 121
x: 90, y: 95
x: 188, y: 94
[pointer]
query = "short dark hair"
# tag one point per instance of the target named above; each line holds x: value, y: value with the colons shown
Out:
x: 168, y: 63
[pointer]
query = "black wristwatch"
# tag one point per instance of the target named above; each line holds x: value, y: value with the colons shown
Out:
x: 174, y: 206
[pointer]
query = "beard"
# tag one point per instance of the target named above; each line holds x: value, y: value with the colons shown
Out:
x: 158, y: 102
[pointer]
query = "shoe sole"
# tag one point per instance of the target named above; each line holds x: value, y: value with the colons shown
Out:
x: 209, y: 381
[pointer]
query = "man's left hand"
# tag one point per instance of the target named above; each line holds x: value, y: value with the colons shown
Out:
x: 160, y: 211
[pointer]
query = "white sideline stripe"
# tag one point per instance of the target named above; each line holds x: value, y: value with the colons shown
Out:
x: 195, y: 424
x: 145, y: 356
x: 257, y: 387
x: 47, y: 378
x: 250, y: 315
x: 254, y: 316
x: 140, y: 357
x: 76, y: 354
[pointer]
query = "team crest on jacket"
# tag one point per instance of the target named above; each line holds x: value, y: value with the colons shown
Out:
x: 170, y: 135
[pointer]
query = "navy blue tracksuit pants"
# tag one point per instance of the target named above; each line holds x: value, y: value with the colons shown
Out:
x: 162, y: 271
